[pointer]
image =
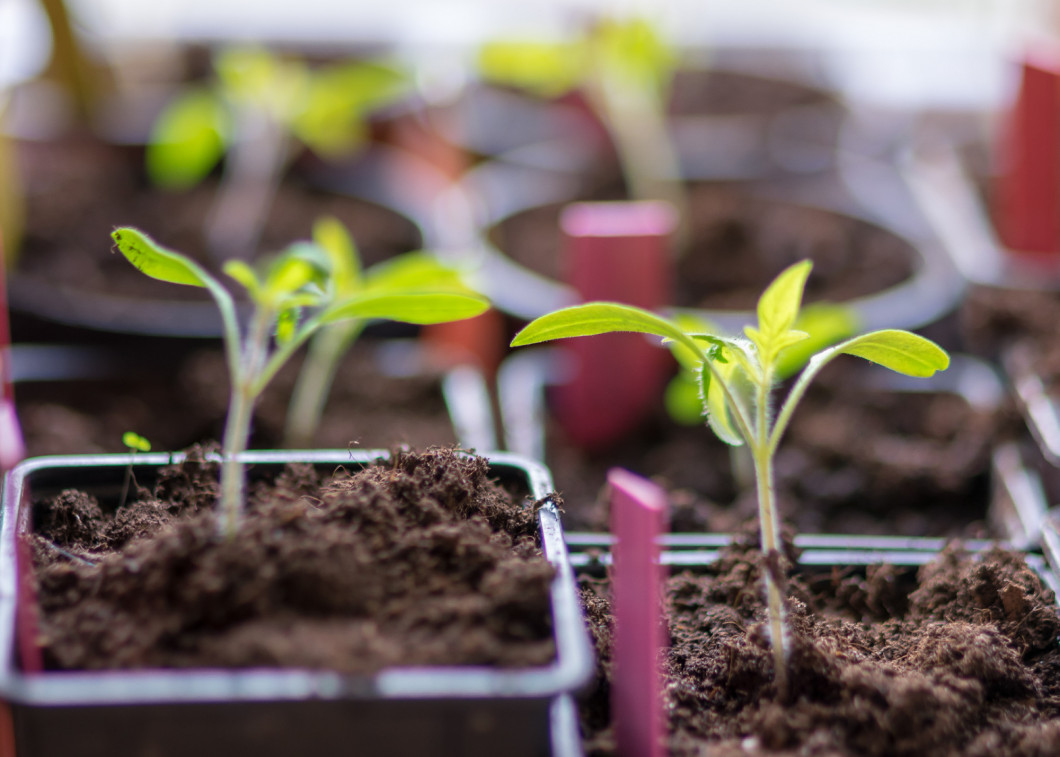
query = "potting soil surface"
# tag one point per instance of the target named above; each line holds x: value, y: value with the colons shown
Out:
x: 421, y: 560
x: 855, y: 460
x: 958, y: 658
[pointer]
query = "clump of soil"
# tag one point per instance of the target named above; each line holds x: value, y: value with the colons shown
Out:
x: 958, y: 658
x: 740, y: 243
x: 420, y: 560
x: 855, y: 460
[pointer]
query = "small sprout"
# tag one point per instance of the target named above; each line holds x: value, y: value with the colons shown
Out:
x: 135, y: 443
x: 404, y: 274
x: 624, y: 67
x: 737, y: 376
x: 294, y: 295
x: 258, y: 111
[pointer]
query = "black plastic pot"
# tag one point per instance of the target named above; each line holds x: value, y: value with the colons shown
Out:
x: 399, y: 711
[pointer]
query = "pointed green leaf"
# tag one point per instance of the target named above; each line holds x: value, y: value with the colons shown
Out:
x: 414, y: 271
x: 187, y: 140
x: 826, y: 324
x: 600, y: 318
x: 416, y: 307
x: 158, y: 262
x: 246, y: 276
x: 335, y: 240
x: 901, y: 351
x: 778, y: 307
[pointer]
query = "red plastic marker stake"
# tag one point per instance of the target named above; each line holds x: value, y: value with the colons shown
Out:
x: 11, y: 449
x: 1027, y: 206
x: 619, y: 252
x: 638, y: 516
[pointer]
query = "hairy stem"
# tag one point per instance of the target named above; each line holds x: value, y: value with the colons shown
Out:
x: 770, y: 525
x: 314, y: 382
x: 237, y: 425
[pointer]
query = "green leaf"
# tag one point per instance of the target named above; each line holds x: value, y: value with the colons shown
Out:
x: 246, y: 276
x: 600, y: 318
x: 414, y: 271
x: 338, y: 100
x: 901, y: 351
x: 547, y: 69
x: 158, y: 262
x: 778, y: 307
x: 826, y: 324
x: 695, y: 327
x: 135, y: 442
x: 633, y: 53
x: 335, y: 240
x: 287, y: 324
x: 416, y: 307
x: 712, y: 395
x: 187, y: 140
x: 683, y: 403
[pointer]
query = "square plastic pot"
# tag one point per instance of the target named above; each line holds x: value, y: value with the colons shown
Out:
x: 441, y: 710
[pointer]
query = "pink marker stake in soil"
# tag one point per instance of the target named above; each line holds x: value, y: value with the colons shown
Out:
x: 619, y: 252
x: 638, y: 516
x: 1028, y: 192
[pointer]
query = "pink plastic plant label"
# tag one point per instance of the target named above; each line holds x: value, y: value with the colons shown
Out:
x: 617, y: 252
x: 638, y: 517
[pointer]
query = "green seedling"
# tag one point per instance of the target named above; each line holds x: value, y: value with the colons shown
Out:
x: 625, y: 69
x: 737, y: 377
x: 260, y: 108
x: 135, y: 443
x: 293, y: 297
x: 413, y: 271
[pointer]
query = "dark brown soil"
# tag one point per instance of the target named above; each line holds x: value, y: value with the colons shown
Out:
x: 78, y: 190
x: 855, y: 460
x: 993, y: 320
x: 422, y: 560
x: 958, y: 658
x: 719, y: 93
x: 366, y: 409
x: 739, y: 244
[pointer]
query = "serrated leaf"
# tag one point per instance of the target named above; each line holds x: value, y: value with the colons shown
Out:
x: 778, y: 307
x: 418, y: 307
x: 287, y: 275
x: 158, y: 262
x: 901, y: 351
x: 600, y: 318
x: 187, y: 140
